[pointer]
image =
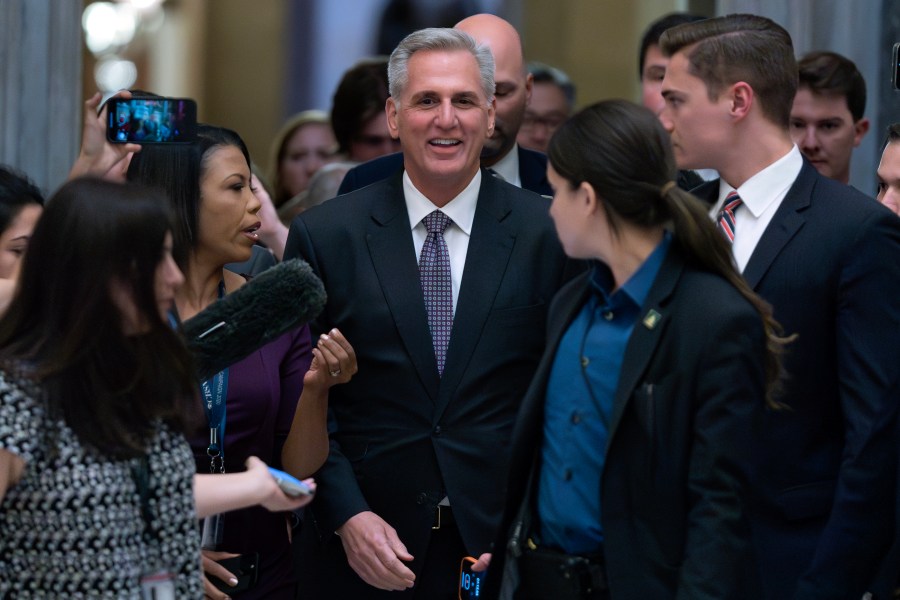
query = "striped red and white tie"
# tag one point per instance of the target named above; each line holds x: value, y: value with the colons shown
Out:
x: 726, y: 215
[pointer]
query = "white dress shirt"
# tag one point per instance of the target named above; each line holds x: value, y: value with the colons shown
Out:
x: 461, y: 211
x: 508, y: 167
x: 762, y: 194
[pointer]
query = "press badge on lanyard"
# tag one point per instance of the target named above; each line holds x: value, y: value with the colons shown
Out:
x: 214, y: 391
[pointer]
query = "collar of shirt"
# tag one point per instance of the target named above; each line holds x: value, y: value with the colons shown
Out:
x: 638, y: 285
x: 508, y: 167
x: 461, y: 209
x: 767, y: 186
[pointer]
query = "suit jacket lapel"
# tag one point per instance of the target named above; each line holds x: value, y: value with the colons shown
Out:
x: 393, y: 255
x: 490, y: 245
x: 645, y: 338
x: 786, y: 222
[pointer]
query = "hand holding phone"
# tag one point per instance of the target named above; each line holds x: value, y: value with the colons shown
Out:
x: 470, y: 582
x: 245, y: 569
x: 290, y: 485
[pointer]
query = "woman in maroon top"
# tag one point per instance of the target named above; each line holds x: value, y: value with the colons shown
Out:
x: 253, y: 405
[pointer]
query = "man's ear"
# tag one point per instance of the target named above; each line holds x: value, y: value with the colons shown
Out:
x: 742, y: 99
x: 492, y: 113
x: 529, y: 87
x: 860, y: 129
x: 390, y: 110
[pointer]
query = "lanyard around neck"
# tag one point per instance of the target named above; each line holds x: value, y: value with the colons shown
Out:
x: 214, y: 392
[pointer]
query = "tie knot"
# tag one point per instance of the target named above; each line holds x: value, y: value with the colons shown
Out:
x: 732, y: 201
x: 436, y: 222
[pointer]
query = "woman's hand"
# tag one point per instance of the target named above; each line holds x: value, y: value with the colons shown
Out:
x: 210, y: 561
x: 99, y: 157
x: 306, y: 447
x: 271, y: 496
x: 334, y: 361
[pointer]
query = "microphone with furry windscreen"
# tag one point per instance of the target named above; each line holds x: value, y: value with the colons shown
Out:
x: 272, y: 303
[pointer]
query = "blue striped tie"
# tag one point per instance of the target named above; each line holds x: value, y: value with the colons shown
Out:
x: 726, y: 215
x: 437, y: 287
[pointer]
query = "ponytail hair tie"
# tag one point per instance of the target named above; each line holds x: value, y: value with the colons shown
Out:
x: 666, y: 188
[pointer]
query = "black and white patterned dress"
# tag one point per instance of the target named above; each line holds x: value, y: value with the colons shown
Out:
x: 72, y: 526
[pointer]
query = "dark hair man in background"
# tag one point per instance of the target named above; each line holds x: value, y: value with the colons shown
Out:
x: 827, y: 120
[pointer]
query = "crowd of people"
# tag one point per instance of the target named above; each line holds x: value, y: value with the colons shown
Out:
x: 637, y: 350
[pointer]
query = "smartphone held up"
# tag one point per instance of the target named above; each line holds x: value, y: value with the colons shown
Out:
x: 156, y: 120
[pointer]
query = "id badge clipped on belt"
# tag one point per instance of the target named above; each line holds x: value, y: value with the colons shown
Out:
x: 158, y: 585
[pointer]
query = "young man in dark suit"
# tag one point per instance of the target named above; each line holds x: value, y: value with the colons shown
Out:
x: 824, y: 256
x: 445, y: 347
x: 519, y: 166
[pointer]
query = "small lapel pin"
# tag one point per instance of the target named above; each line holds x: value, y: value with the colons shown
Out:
x: 652, y: 318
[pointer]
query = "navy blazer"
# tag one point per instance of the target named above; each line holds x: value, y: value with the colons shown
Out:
x: 403, y: 436
x: 677, y: 460
x: 829, y: 264
x: 532, y: 172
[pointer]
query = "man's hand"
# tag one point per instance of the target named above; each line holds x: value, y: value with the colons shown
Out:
x: 374, y: 551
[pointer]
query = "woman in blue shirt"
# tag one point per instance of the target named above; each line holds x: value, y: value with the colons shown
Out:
x: 630, y: 462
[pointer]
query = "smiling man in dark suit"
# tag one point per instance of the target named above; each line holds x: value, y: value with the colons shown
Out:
x: 445, y: 347
x: 825, y: 257
x: 519, y: 166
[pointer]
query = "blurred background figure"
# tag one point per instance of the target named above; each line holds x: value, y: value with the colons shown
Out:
x: 323, y: 186
x: 357, y: 112
x: 652, y: 62
x: 827, y: 120
x: 552, y: 101
x: 21, y: 204
x: 304, y: 144
x: 889, y: 171
x: 652, y: 65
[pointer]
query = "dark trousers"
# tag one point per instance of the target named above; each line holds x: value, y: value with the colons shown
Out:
x: 547, y: 573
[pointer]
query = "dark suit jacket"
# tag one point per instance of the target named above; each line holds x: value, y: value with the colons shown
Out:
x: 532, y: 172
x: 403, y: 436
x: 828, y: 263
x: 690, y: 395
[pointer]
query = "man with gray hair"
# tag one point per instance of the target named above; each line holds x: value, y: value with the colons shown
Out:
x: 506, y: 159
x: 440, y: 276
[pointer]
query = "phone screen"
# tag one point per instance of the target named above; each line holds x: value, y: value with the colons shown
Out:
x: 470, y: 582
x: 151, y: 120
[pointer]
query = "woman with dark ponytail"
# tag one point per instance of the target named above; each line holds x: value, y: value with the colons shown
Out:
x: 630, y: 473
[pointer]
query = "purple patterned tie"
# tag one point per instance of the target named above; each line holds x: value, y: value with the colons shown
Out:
x: 434, y: 270
x: 726, y: 215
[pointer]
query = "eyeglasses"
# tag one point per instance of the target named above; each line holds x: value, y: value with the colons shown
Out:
x: 551, y: 122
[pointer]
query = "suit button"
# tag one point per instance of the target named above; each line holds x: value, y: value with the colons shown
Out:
x: 568, y: 475
x: 420, y: 499
x: 576, y: 418
x: 437, y: 430
x: 608, y: 315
